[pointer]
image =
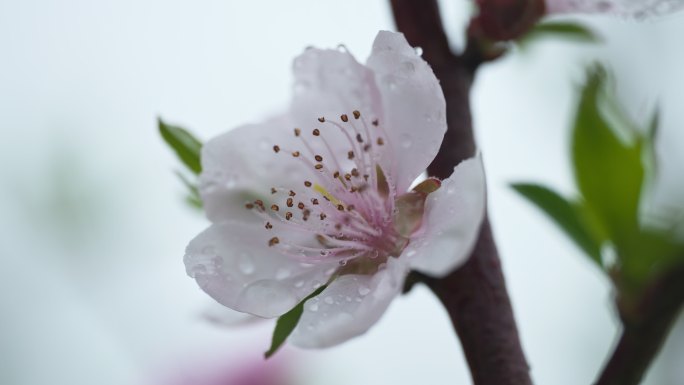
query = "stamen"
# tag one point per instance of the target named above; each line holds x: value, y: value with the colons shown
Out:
x: 344, y: 118
x: 356, y: 113
x: 290, y: 202
x: 288, y: 215
x: 260, y: 204
x: 268, y: 226
x: 307, y: 183
x: 340, y: 207
x: 350, y: 155
x: 380, y: 142
x: 355, y: 172
x: 321, y: 119
x: 292, y: 193
x: 375, y: 122
x: 295, y: 154
x: 318, y: 166
x: 297, y: 131
x: 359, y: 138
x: 366, y: 147
x: 273, y: 241
x: 249, y: 206
x: 314, y: 201
x: 300, y: 205
x: 276, y: 149
x: 273, y: 190
x: 275, y: 207
x: 318, y: 158
x: 323, y: 216
x: 316, y: 132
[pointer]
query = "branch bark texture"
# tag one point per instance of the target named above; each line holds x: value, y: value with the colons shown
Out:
x: 475, y: 295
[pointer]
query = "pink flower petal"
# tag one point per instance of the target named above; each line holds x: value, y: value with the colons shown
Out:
x: 452, y: 221
x: 241, y: 166
x: 414, y: 110
x: 638, y: 9
x: 233, y: 263
x: 349, y: 306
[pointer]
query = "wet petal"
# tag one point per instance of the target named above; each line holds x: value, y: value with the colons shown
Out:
x: 414, y: 110
x: 241, y: 166
x: 453, y: 216
x: 349, y: 306
x: 233, y: 263
x: 638, y: 9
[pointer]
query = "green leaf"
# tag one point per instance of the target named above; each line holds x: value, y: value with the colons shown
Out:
x: 193, y: 198
x: 607, y: 161
x: 288, y: 321
x: 565, y: 214
x: 560, y: 30
x: 184, y: 144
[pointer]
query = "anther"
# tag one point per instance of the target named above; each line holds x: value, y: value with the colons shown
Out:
x: 336, y: 174
x: 275, y: 207
x: 350, y: 155
x: 292, y: 193
x: 268, y: 226
x: 375, y: 122
x: 276, y: 149
x: 300, y: 205
x: 290, y: 202
x: 359, y: 138
x: 288, y: 215
x: 316, y: 132
x: 380, y: 142
x: 321, y: 119
x: 347, y: 176
x: 366, y: 176
x: 297, y: 131
x: 314, y: 201
x: 273, y: 190
x: 305, y: 214
x: 356, y: 113
x: 350, y: 207
x: 322, y: 216
x: 340, y: 207
x: 307, y: 183
x: 366, y: 147
x: 295, y: 154
x: 318, y: 158
x: 355, y: 172
x: 249, y: 206
x: 318, y: 166
x: 344, y: 118
x: 259, y: 203
x: 273, y: 241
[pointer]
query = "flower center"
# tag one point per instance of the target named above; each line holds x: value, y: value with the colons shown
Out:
x: 347, y: 207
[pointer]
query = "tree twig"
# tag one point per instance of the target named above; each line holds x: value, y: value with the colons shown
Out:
x: 475, y: 295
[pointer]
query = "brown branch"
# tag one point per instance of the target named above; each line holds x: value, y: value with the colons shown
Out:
x: 475, y: 295
x: 645, y: 330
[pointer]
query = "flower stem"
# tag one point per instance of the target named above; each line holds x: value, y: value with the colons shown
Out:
x: 474, y: 295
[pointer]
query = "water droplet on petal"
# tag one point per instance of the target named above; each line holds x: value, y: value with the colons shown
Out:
x: 328, y: 300
x: 410, y: 253
x: 273, y: 297
x: 313, y: 305
x: 245, y: 264
x: 299, y: 284
x: 406, y: 141
x: 419, y: 51
x: 342, y: 48
x: 364, y: 290
x: 282, y: 273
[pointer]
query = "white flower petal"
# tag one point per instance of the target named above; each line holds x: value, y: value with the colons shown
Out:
x: 638, y: 9
x: 349, y: 306
x: 453, y: 216
x: 241, y: 166
x: 233, y: 263
x: 413, y: 106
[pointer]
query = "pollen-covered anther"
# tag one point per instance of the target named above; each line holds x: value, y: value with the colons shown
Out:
x: 375, y: 122
x: 305, y: 214
x: 297, y: 131
x: 288, y: 215
x: 350, y: 155
x: 314, y: 201
x: 318, y: 166
x: 290, y: 202
x: 356, y: 113
x: 259, y: 203
x: 268, y: 226
x: 273, y: 190
x: 273, y: 241
x: 359, y: 138
x: 318, y: 158
x: 276, y: 149
x: 300, y: 205
x: 336, y: 174
x: 316, y: 132
x: 355, y: 172
x: 322, y: 216
x: 295, y: 154
x: 292, y: 193
x: 340, y: 207
x: 347, y: 177
x: 321, y: 119
x: 275, y: 207
x: 380, y: 142
x: 249, y: 206
x: 344, y: 118
x: 307, y: 183
x: 350, y: 207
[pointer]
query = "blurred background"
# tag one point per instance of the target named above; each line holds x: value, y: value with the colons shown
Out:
x: 93, y: 224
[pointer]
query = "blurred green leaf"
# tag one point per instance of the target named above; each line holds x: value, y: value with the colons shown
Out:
x: 559, y: 30
x: 565, y: 214
x: 193, y: 198
x: 184, y: 144
x: 288, y: 321
x: 608, y: 167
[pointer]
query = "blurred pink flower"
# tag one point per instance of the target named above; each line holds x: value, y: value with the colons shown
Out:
x: 321, y: 195
x: 638, y: 9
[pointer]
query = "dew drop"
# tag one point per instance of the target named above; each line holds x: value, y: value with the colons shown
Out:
x: 411, y: 253
x: 363, y: 290
x: 408, y: 66
x: 274, y: 297
x: 329, y: 300
x: 406, y: 141
x: 299, y: 284
x: 313, y: 307
x: 245, y: 264
x: 418, y: 51
x: 282, y: 273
